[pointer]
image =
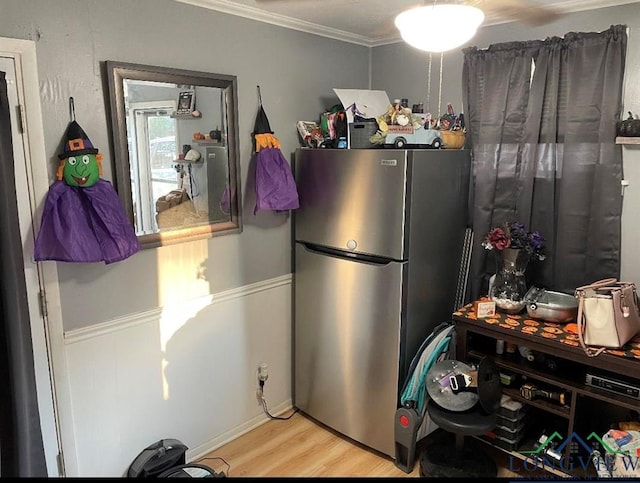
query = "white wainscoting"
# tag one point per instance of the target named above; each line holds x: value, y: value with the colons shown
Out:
x: 187, y: 372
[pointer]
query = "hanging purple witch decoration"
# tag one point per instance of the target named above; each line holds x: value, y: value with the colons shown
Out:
x: 83, y: 220
x: 275, y: 187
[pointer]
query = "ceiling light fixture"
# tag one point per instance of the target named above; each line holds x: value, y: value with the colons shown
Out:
x: 439, y: 27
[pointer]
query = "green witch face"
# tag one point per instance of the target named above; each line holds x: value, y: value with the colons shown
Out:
x: 82, y: 170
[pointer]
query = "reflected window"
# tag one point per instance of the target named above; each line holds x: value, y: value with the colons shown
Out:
x: 152, y: 136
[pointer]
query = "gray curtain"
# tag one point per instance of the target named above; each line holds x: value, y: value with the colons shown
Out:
x: 21, y: 447
x: 541, y: 119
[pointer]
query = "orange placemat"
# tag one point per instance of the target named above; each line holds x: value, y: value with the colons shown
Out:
x: 564, y: 333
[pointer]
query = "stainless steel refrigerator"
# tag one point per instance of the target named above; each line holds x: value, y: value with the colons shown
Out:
x: 378, y: 243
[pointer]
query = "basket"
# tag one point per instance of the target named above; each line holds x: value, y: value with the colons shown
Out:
x: 452, y: 139
x: 360, y: 132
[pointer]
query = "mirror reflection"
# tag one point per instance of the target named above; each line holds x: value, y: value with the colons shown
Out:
x: 175, y: 137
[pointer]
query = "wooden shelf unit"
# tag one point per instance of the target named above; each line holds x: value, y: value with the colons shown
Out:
x: 475, y: 339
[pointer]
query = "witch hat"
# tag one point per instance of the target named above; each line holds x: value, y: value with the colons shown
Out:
x: 77, y: 142
x: 262, y: 122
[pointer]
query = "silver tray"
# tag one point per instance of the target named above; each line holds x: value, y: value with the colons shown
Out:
x: 551, y: 306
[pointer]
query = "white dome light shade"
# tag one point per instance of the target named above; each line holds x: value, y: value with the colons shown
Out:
x: 437, y: 28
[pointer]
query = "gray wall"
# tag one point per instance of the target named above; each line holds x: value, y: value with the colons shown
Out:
x: 296, y: 73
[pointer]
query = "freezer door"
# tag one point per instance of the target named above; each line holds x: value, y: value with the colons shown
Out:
x: 352, y: 199
x: 346, y: 336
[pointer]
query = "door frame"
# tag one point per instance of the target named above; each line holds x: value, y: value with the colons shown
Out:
x: 47, y: 332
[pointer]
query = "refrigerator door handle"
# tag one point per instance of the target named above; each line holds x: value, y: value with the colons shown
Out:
x: 356, y: 257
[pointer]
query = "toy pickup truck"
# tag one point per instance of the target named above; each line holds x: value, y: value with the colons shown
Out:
x: 408, y: 136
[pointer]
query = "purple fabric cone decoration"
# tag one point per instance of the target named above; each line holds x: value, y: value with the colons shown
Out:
x: 84, y: 225
x: 275, y: 187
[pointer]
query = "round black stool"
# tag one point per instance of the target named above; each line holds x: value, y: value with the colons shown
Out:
x: 455, y: 456
x: 458, y: 456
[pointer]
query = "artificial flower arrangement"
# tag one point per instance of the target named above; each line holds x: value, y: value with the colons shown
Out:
x: 515, y: 235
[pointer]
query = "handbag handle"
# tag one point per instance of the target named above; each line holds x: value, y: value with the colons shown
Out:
x: 599, y: 284
x: 590, y: 351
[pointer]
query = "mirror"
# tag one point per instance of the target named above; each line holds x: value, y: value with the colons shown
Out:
x: 175, y: 140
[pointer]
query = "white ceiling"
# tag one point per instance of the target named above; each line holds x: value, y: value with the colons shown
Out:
x: 370, y: 22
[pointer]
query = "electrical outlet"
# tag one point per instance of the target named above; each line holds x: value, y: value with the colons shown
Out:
x: 262, y: 372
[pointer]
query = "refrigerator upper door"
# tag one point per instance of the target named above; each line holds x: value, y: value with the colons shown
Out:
x: 353, y: 200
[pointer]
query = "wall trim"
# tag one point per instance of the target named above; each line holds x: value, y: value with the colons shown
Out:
x: 151, y: 316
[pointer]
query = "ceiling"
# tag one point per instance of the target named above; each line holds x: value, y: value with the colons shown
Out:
x: 370, y: 22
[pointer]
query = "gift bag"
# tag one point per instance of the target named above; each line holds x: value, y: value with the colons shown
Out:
x: 622, y: 453
x: 334, y: 125
x: 608, y: 315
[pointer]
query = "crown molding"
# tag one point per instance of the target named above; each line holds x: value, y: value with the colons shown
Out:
x: 279, y: 20
x: 232, y: 8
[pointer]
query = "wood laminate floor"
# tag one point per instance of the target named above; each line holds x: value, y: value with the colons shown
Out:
x: 301, y: 447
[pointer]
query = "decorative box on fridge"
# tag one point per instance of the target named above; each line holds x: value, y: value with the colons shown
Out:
x: 360, y: 132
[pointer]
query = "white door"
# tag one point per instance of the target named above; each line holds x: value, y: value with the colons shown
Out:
x: 35, y: 285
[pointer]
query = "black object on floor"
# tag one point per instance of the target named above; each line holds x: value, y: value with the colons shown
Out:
x: 157, y: 458
x: 440, y: 460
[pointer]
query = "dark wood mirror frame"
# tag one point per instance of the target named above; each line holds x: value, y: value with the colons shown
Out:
x: 117, y: 73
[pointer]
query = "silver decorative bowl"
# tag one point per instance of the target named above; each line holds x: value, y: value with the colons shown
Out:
x: 551, y: 306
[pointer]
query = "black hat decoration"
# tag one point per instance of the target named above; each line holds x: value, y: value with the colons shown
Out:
x: 77, y: 142
x: 262, y: 122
